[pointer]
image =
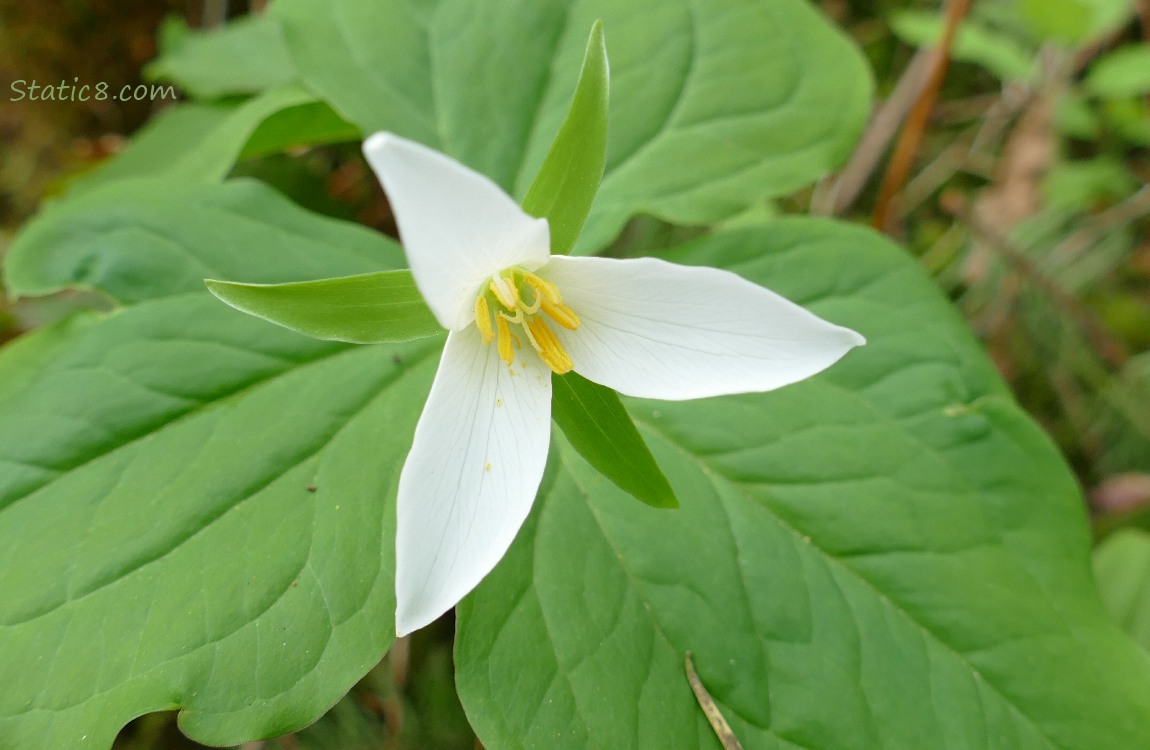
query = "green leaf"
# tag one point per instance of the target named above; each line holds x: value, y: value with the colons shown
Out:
x: 309, y: 124
x: 601, y: 431
x: 1121, y: 74
x: 893, y: 538
x: 1130, y: 118
x: 134, y: 240
x: 973, y: 43
x: 245, y: 56
x: 1081, y: 185
x: 193, y: 142
x: 186, y: 396
x: 158, y: 147
x: 369, y: 308
x: 565, y: 186
x: 193, y: 506
x: 1075, y: 117
x: 716, y: 105
x: 1074, y: 22
x: 1122, y: 566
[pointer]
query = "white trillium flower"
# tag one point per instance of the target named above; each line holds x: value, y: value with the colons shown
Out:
x: 515, y: 314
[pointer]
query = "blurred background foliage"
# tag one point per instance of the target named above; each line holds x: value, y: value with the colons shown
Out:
x: 1009, y: 152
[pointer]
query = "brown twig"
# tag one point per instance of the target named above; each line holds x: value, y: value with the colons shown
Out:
x: 833, y: 198
x: 916, y: 123
x: 707, y: 703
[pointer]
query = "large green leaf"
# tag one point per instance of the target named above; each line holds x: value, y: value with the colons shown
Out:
x: 138, y: 239
x: 142, y: 470
x: 245, y: 56
x: 195, y: 514
x: 312, y: 123
x: 715, y: 104
x: 889, y: 555
x: 197, y: 142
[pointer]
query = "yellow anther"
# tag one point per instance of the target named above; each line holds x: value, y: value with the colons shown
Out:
x: 545, y: 288
x: 548, y: 347
x: 507, y: 294
x: 506, y: 353
x: 561, y: 314
x: 483, y: 319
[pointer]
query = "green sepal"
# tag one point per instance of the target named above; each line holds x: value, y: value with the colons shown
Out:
x: 370, y: 308
x: 565, y: 185
x: 600, y: 429
x: 590, y: 415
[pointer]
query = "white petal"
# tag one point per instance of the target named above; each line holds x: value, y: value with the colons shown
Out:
x: 472, y: 474
x: 457, y: 226
x: 658, y: 330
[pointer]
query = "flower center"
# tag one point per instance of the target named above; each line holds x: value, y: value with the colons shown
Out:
x: 515, y: 297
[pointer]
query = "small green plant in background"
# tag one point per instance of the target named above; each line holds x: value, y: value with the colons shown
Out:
x: 198, y: 506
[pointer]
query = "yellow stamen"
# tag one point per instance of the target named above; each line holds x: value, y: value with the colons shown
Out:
x: 506, y: 353
x: 550, y: 350
x: 507, y: 294
x: 483, y: 319
x: 561, y: 314
x: 543, y: 287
